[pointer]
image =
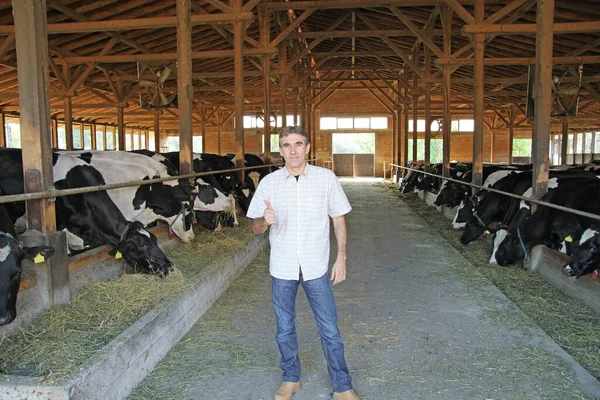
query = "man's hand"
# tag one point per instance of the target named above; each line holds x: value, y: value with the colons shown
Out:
x: 338, y: 272
x: 270, y: 218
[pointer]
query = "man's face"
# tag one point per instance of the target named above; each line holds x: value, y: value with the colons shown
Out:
x: 294, y: 150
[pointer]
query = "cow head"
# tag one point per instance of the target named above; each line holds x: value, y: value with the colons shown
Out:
x: 474, y: 229
x: 140, y: 250
x: 166, y: 202
x: 586, y: 257
x: 511, y: 249
x: 11, y: 255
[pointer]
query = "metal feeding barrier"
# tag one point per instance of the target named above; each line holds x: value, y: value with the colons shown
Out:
x: 516, y: 196
x: 53, y: 193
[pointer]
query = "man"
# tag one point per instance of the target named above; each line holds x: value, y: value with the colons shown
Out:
x: 296, y: 203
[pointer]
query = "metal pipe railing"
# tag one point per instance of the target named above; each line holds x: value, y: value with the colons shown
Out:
x: 516, y: 196
x: 53, y: 193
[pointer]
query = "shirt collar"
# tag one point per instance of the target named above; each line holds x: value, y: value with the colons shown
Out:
x: 287, y: 174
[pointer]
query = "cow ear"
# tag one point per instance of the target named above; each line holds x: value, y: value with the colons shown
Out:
x: 38, y: 253
x: 494, y: 226
x: 229, y: 156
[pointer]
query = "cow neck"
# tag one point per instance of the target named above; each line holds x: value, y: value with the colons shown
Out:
x: 521, y: 242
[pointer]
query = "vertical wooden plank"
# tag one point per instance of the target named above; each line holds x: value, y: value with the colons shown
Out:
x: 2, y: 130
x: 238, y: 69
x: 542, y: 96
x: 394, y: 137
x: 565, y: 141
x: 479, y: 45
x: 427, y: 108
x: 203, y: 132
x: 447, y: 15
x: 295, y: 105
x: 283, y: 81
x: 185, y: 90
x: 415, y: 104
x: 93, y: 132
x: 32, y: 52
x: 68, y: 121
x: 511, y: 133
x: 157, y: 132
x: 120, y: 129
x: 265, y: 37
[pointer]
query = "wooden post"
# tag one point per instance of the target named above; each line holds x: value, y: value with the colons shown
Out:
x: 2, y: 130
x: 401, y: 139
x: 68, y: 121
x: 32, y: 53
x: 447, y: 79
x: 542, y: 96
x: 265, y: 38
x: 415, y: 101
x: 295, y: 106
x: 565, y: 141
x: 157, y: 132
x: 238, y: 68
x: 185, y: 89
x: 93, y: 133
x: 283, y: 82
x: 427, y: 109
x: 394, y: 137
x: 120, y: 129
x: 511, y: 134
x: 479, y: 45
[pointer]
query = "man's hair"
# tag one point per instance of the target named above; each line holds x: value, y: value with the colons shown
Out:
x: 293, y: 129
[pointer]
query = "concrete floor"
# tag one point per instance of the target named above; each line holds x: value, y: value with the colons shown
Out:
x: 418, y: 321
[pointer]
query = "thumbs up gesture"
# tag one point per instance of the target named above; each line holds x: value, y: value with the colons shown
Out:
x: 269, y: 214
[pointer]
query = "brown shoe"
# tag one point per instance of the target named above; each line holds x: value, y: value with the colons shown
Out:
x: 347, y: 395
x: 287, y: 390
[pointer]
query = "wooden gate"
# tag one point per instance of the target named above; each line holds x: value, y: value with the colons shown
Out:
x: 354, y: 164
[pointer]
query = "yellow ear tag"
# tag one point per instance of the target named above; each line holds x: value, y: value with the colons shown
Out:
x: 118, y: 255
x: 487, y: 232
x: 38, y: 259
x: 473, y: 209
x: 568, y: 239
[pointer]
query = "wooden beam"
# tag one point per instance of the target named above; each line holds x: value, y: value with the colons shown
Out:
x: 564, y: 141
x: 520, y: 60
x: 369, y: 33
x: 138, y: 23
x: 460, y: 11
x: 196, y: 55
x: 420, y: 34
x: 297, y: 21
x: 524, y: 29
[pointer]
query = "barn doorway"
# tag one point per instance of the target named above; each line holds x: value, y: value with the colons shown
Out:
x: 353, y: 154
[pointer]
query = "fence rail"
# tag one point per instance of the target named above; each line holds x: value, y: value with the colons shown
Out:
x: 516, y: 196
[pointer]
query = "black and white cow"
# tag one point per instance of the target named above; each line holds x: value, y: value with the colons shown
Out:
x: 172, y: 169
x: 92, y: 215
x: 147, y: 203
x: 550, y: 226
x: 412, y: 178
x: 11, y: 256
x: 585, y: 258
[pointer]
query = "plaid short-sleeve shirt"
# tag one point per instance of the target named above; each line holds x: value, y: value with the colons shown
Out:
x: 300, y: 237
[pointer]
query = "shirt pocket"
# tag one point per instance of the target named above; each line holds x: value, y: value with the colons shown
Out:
x: 318, y: 210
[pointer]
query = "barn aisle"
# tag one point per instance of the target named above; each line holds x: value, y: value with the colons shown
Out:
x: 418, y: 321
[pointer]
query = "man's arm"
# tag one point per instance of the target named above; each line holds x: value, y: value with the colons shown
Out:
x: 338, y: 272
x: 259, y: 225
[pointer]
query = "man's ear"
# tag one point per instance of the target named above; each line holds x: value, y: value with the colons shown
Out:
x: 307, y: 148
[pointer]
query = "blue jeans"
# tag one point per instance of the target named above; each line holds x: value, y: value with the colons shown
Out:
x: 320, y: 297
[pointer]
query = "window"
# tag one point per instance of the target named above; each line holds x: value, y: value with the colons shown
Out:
x: 110, y: 138
x: 251, y: 121
x: 136, y: 141
x: 12, y: 129
x: 379, y: 122
x: 521, y: 147
x: 127, y: 140
x: 353, y: 143
x: 100, y: 132
x: 330, y: 123
x: 436, y: 150
x: 77, y: 142
x: 275, y: 143
x: 87, y: 137
x: 462, y: 125
x: 143, y: 140
x: 173, y: 143
x: 197, y: 144
x: 62, y: 136
x: 579, y: 144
